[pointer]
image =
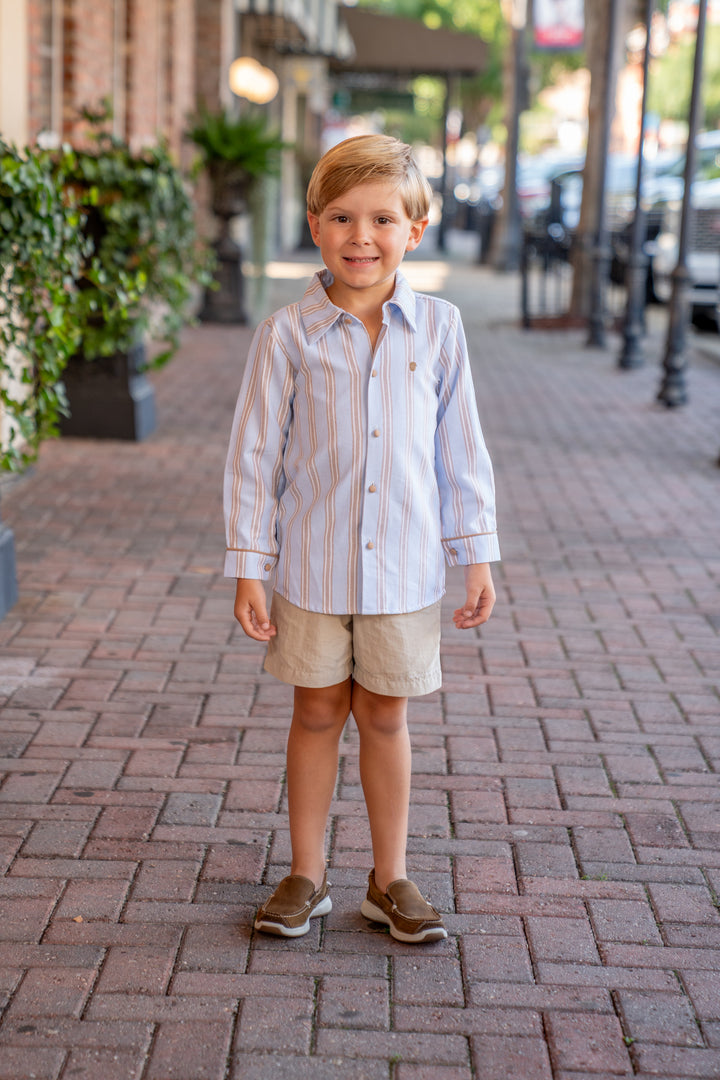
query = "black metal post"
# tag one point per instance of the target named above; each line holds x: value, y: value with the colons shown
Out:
x: 601, y: 250
x: 673, y: 388
x: 631, y: 354
x: 441, y: 234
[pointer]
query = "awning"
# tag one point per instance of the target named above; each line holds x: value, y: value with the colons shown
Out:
x: 298, y: 27
x: 389, y: 44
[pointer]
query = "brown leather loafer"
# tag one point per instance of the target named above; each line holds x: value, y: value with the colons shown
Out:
x: 291, y: 907
x: 403, y: 909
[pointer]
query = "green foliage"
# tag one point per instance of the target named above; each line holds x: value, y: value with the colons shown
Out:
x: 42, y: 248
x: 96, y: 247
x: 671, y: 79
x: 243, y: 140
x: 145, y: 259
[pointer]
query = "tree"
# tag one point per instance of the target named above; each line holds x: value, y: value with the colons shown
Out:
x: 671, y: 78
x: 602, y: 59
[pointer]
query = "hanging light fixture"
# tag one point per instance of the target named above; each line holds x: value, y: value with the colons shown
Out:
x: 249, y: 79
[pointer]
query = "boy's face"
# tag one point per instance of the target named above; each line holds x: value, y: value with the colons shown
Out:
x: 363, y: 235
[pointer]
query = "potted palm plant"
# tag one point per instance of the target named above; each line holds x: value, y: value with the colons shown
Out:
x: 238, y: 153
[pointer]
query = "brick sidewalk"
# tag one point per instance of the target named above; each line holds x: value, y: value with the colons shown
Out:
x: 565, y: 807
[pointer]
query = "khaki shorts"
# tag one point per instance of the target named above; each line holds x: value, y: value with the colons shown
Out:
x: 395, y: 655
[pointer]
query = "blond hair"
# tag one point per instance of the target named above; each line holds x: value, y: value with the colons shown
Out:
x: 369, y: 159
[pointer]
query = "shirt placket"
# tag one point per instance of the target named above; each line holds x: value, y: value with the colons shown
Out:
x: 372, y: 494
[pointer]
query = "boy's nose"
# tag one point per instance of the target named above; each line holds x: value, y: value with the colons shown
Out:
x: 361, y: 234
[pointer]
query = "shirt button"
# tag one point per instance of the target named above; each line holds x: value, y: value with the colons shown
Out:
x: 268, y: 566
x: 372, y: 488
x: 413, y: 365
x: 373, y: 373
x: 453, y: 551
x: 376, y: 433
x: 370, y: 545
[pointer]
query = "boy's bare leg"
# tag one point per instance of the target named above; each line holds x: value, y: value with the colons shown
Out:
x: 385, y: 764
x: 319, y: 716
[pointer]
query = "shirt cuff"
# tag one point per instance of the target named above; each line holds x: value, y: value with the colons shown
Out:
x: 465, y: 550
x: 249, y: 564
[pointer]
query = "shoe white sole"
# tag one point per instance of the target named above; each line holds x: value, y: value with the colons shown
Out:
x: 375, y: 914
x: 323, y: 908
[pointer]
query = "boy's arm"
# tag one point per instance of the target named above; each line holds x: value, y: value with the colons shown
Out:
x: 479, y: 597
x: 463, y: 467
x: 251, y: 609
x: 254, y: 476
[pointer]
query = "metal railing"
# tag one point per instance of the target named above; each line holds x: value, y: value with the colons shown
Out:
x: 546, y: 275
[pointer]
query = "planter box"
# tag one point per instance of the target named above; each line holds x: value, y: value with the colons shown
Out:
x: 8, y: 575
x: 110, y: 397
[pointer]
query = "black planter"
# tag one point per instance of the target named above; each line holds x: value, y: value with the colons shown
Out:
x: 110, y: 397
x: 225, y: 303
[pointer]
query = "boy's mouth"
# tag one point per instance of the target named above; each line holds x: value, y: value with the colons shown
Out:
x: 368, y: 260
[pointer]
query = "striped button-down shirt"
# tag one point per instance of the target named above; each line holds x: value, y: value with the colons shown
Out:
x: 355, y: 474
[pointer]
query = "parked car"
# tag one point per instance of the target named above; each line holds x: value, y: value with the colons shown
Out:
x: 535, y: 177
x: 662, y: 191
x: 477, y: 199
x: 565, y: 197
x: 703, y: 254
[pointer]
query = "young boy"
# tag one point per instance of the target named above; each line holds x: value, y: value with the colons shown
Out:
x: 356, y: 469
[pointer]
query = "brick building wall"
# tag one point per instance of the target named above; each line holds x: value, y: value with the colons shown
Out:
x: 139, y: 54
x: 182, y: 73
x: 144, y: 69
x: 88, y: 49
x: 209, y: 51
x: 39, y: 15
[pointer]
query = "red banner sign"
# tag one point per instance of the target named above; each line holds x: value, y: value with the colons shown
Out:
x: 558, y: 24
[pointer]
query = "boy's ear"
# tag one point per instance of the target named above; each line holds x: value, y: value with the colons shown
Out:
x: 416, y: 233
x: 314, y: 223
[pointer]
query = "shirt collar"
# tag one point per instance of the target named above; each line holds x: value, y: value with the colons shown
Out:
x: 318, y: 313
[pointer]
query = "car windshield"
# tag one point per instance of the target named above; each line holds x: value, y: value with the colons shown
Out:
x: 707, y: 164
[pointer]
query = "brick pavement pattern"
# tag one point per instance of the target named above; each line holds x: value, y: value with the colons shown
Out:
x: 565, y: 801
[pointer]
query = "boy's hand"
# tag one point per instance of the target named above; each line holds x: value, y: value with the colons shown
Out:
x: 251, y: 609
x: 480, y: 597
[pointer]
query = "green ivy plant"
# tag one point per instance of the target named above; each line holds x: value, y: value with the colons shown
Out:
x: 42, y: 248
x: 145, y: 260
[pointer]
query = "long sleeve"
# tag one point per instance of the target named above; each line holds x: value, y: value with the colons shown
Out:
x: 464, y: 470
x: 254, y: 478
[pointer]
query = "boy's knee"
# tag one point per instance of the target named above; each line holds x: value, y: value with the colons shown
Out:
x: 322, y: 709
x: 378, y: 713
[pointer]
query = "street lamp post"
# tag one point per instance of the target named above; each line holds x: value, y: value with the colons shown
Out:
x: 601, y: 250
x: 673, y: 388
x: 631, y: 354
